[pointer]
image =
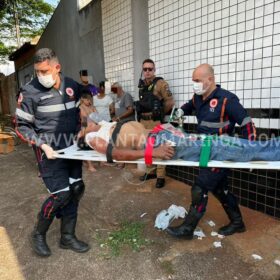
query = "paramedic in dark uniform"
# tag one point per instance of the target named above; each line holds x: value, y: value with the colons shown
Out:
x: 217, y: 111
x: 48, y: 118
x: 155, y: 101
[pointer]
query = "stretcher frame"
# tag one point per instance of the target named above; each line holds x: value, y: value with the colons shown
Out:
x: 73, y: 152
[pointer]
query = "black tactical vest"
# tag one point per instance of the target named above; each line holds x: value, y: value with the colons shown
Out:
x: 147, y: 100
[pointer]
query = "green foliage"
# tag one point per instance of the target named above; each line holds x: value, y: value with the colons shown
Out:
x: 5, y: 50
x: 130, y: 233
x: 32, y: 15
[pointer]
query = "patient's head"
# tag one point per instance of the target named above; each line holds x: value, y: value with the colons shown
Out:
x: 92, y: 126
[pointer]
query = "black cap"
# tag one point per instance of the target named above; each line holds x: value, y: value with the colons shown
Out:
x: 83, y: 72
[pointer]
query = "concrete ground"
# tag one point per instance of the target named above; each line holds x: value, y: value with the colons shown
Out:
x: 113, y: 196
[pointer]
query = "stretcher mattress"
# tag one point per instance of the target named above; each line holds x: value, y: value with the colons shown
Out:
x: 73, y: 152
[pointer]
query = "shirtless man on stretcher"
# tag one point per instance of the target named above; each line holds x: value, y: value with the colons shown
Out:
x: 132, y: 141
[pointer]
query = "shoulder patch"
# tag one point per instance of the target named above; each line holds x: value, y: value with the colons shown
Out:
x: 69, y: 91
x: 169, y: 93
x: 214, y: 103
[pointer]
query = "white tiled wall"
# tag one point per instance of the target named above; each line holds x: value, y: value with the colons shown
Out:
x: 240, y: 38
x: 118, y: 44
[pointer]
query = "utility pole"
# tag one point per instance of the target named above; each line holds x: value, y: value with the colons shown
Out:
x: 16, y: 22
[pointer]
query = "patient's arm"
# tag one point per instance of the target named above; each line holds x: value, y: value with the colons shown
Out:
x: 162, y: 152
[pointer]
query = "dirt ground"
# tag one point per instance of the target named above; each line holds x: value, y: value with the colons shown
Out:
x: 113, y: 196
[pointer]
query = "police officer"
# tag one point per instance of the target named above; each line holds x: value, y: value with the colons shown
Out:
x: 47, y: 117
x: 217, y: 111
x: 155, y: 101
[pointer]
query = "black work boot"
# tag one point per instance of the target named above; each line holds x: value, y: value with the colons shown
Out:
x: 38, y: 237
x: 236, y: 224
x: 186, y: 230
x: 68, y: 238
x: 147, y: 176
x: 160, y: 183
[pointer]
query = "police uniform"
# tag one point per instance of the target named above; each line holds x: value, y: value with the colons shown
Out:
x: 151, y: 109
x: 50, y: 116
x: 217, y: 114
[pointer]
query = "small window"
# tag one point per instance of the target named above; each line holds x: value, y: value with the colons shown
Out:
x: 83, y: 3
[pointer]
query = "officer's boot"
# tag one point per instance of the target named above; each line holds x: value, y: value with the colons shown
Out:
x: 38, y: 237
x: 230, y: 204
x: 186, y: 229
x: 236, y: 223
x: 197, y: 210
x: 68, y: 238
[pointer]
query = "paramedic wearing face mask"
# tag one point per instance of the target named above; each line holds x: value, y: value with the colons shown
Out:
x: 48, y: 118
x: 217, y: 111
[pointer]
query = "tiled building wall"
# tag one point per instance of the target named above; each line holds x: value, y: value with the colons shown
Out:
x: 118, y: 42
x: 241, y: 39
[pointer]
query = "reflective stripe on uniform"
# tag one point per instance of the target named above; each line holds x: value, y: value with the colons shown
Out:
x: 63, y: 190
x: 215, y: 125
x: 222, y: 115
x: 56, y: 108
x: 246, y: 120
x: 72, y: 180
x: 26, y: 116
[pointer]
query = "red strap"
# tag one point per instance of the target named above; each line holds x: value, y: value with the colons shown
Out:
x: 157, y: 129
x: 150, y: 145
x: 149, y: 150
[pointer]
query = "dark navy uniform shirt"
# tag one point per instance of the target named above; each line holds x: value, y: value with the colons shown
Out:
x: 47, y: 115
x: 219, y: 113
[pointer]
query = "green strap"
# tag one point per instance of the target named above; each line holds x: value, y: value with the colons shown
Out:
x: 205, y: 152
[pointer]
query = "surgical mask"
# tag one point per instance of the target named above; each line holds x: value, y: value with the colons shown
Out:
x: 47, y: 81
x: 198, y: 88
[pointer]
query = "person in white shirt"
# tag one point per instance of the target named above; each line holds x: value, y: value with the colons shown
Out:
x: 103, y: 103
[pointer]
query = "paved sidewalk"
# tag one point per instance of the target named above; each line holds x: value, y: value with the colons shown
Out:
x: 112, y: 196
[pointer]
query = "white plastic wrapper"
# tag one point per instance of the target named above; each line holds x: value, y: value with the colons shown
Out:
x: 199, y: 233
x: 211, y: 223
x: 217, y: 244
x: 257, y: 257
x: 165, y: 217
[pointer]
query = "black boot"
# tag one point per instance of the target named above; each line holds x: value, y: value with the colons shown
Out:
x: 38, y: 237
x: 160, y: 183
x: 185, y: 230
x: 147, y: 176
x: 68, y: 239
x: 236, y: 224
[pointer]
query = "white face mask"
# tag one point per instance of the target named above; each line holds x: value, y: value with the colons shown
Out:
x: 47, y: 81
x: 198, y: 88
